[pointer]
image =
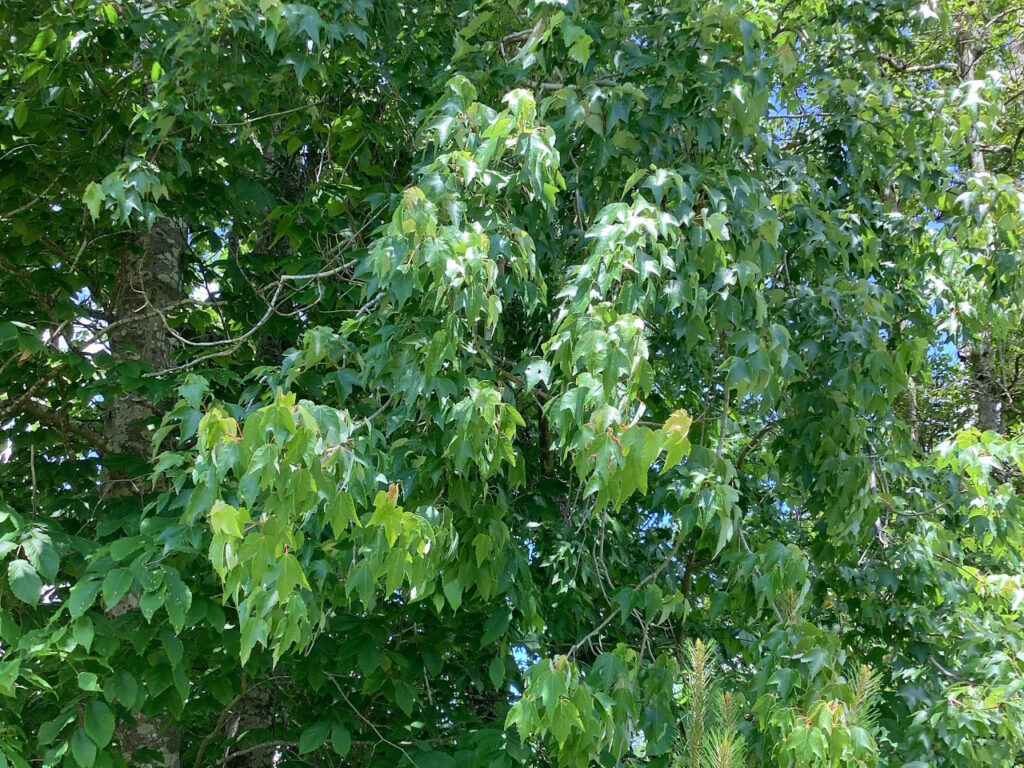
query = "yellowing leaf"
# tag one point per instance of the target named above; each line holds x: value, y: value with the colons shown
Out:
x: 678, y: 424
x: 93, y: 199
x: 676, y: 428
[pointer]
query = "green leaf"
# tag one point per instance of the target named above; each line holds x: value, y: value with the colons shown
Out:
x: 496, y: 626
x: 226, y: 519
x: 389, y: 515
x: 173, y: 647
x: 313, y: 737
x: 434, y: 759
x: 83, y: 632
x: 43, y: 555
x: 341, y: 739
x: 784, y: 680
x: 20, y: 114
x: 496, y: 671
x: 676, y: 428
x: 368, y: 658
x: 88, y: 681
x: 150, y: 603
x: 536, y: 372
x: 50, y: 729
x: 453, y: 591
x: 115, y: 586
x: 82, y: 748
x: 483, y: 545
x: 121, y: 548
x: 181, y: 683
x: 291, y: 575
x: 99, y: 722
x: 341, y: 512
x: 678, y: 424
x: 177, y: 599
x: 121, y: 688
x: 82, y: 596
x: 362, y: 582
x: 193, y: 390
x: 25, y: 582
x: 580, y: 50
x: 8, y: 676
x: 676, y: 451
x: 717, y: 225
x: 405, y: 696
x: 563, y: 720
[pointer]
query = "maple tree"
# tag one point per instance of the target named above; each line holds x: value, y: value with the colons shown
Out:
x: 511, y: 383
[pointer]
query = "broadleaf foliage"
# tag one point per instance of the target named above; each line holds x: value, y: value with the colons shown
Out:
x: 548, y: 383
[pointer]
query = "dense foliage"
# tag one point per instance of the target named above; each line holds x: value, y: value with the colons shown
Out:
x: 511, y: 383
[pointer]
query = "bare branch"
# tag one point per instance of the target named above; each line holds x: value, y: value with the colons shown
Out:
x: 22, y: 208
x: 640, y: 584
x: 272, y: 115
x: 914, y: 69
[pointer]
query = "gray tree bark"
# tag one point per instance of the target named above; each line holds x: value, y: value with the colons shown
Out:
x: 981, y: 363
x: 146, y: 281
x: 980, y: 353
x: 149, y: 278
x: 255, y: 712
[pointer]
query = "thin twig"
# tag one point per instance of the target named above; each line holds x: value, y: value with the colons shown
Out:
x: 643, y: 583
x: 375, y: 729
x: 914, y: 69
x: 32, y: 470
x: 272, y: 115
x: 223, y: 342
x: 11, y: 214
x: 757, y: 571
x: 264, y: 745
x: 725, y: 401
x: 799, y: 116
x: 951, y: 675
x: 318, y: 275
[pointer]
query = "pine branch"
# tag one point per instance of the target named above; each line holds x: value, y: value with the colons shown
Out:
x: 867, y: 688
x: 698, y: 679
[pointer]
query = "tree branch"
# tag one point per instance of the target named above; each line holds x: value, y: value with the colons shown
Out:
x: 264, y: 745
x: 914, y: 69
x: 643, y: 583
x: 754, y: 441
x: 20, y: 209
x: 216, y: 728
x: 59, y: 421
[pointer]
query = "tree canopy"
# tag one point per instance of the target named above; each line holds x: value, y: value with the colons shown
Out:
x: 512, y: 383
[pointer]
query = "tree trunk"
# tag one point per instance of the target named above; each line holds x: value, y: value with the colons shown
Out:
x: 156, y: 734
x: 255, y: 712
x: 913, y: 418
x: 981, y: 363
x: 145, y: 282
x: 980, y: 353
x: 148, y: 279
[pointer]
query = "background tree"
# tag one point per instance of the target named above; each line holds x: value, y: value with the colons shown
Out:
x: 511, y: 384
